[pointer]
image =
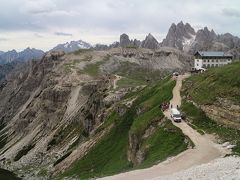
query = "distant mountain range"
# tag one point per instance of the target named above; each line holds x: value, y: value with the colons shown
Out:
x: 183, y: 37
x: 28, y: 54
x: 72, y: 46
x: 180, y: 36
x: 25, y: 55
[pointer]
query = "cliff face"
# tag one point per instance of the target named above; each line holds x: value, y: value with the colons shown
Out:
x: 43, y: 115
x: 224, y: 111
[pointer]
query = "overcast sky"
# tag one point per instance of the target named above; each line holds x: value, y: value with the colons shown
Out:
x: 44, y: 23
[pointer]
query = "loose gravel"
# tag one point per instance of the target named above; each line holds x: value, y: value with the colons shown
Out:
x: 227, y: 168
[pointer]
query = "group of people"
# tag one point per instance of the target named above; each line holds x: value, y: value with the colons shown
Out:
x: 165, y: 105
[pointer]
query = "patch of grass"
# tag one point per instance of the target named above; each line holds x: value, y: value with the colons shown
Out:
x: 72, y: 64
x: 223, y: 82
x: 142, y: 122
x: 166, y: 141
x: 202, y: 122
x: 109, y: 120
x: 127, y: 82
x: 94, y: 69
x: 135, y: 72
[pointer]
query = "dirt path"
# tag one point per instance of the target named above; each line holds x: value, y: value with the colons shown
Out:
x: 204, y: 151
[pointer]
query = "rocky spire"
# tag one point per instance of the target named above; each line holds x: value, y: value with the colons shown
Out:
x: 124, y: 40
x: 150, y: 42
x: 178, y: 35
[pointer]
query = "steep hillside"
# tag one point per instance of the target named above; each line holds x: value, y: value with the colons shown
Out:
x: 212, y: 100
x: 139, y: 136
x: 59, y: 114
x: 5, y: 69
x: 216, y: 83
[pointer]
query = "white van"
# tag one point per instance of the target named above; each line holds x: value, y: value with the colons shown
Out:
x: 176, y: 115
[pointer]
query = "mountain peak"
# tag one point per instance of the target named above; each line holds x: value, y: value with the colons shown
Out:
x: 124, y: 40
x: 206, y: 29
x: 149, y: 36
x: 180, y: 24
x: 72, y: 46
x: 173, y: 26
x: 178, y: 35
x: 150, y: 42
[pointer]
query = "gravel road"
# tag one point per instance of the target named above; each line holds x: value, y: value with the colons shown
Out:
x: 219, y: 169
x: 205, y: 150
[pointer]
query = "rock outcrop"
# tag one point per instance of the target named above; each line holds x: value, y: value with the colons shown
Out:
x: 150, y: 42
x: 124, y: 40
x: 224, y: 111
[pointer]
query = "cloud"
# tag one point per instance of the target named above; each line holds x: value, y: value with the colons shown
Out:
x: 3, y: 39
x: 231, y: 12
x: 38, y: 6
x: 96, y: 19
x: 62, y: 34
x: 38, y: 35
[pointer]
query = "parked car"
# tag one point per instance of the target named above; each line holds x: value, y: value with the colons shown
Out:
x: 175, y: 73
x: 176, y: 115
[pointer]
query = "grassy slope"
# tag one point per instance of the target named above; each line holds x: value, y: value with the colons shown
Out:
x: 204, y: 89
x: 94, y: 69
x: 166, y: 141
x: 216, y: 82
x: 109, y: 156
x: 135, y: 74
x: 128, y: 82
